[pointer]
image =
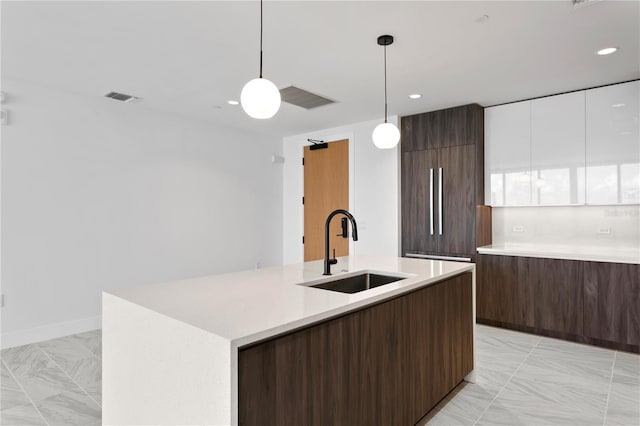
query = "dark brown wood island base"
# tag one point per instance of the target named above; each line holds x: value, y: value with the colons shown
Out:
x: 386, y: 364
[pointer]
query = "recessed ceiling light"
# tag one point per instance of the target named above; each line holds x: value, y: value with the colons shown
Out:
x: 233, y: 102
x: 606, y: 51
x: 618, y: 105
x: 415, y: 96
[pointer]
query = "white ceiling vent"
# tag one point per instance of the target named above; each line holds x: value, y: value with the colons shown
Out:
x: 302, y: 98
x: 120, y: 97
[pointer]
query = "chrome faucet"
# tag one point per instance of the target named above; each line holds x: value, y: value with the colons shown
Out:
x: 354, y: 233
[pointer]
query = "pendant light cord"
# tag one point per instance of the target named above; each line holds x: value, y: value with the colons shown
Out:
x: 385, y: 83
x: 260, y: 38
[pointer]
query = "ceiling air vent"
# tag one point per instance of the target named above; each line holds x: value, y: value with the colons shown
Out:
x: 302, y: 98
x: 120, y: 97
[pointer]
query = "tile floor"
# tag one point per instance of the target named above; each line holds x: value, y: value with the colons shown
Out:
x: 522, y: 380
x: 58, y: 382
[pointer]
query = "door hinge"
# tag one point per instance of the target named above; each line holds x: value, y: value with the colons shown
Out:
x: 302, y: 200
x: 303, y: 239
x: 303, y: 161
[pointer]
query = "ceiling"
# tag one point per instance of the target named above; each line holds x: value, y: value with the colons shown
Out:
x: 189, y: 58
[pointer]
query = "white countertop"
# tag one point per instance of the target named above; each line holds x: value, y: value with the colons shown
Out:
x: 249, y: 306
x: 569, y: 252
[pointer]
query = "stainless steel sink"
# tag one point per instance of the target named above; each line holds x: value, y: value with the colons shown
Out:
x: 357, y: 283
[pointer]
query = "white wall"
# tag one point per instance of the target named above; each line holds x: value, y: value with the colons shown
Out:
x: 99, y: 194
x: 568, y: 225
x: 373, y: 191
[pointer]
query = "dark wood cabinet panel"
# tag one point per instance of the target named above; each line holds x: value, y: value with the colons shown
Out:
x: 612, y: 302
x: 421, y: 131
x: 455, y: 134
x: 462, y: 125
x: 458, y: 200
x: 388, y: 364
x: 441, y: 325
x: 483, y: 226
x: 503, y: 291
x: 416, y: 201
x: 633, y: 315
x: 558, y: 288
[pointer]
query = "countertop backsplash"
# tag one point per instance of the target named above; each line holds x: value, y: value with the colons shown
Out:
x: 589, y: 226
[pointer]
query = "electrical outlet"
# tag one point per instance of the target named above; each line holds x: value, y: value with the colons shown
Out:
x: 605, y: 230
x: 517, y: 229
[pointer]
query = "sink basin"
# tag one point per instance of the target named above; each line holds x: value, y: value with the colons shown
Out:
x: 357, y: 283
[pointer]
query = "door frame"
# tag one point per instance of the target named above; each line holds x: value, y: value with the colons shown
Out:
x: 299, y: 214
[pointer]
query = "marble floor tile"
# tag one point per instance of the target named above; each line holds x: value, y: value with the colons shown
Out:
x: 10, y: 398
x: 555, y: 372
x: 624, y: 402
x: 492, y: 376
x: 489, y: 346
x: 77, y: 345
x: 96, y: 395
x: 627, y: 364
x: 81, y: 365
x: 535, y: 402
x: 517, y: 337
x: 70, y: 408
x: 5, y: 378
x: 11, y: 395
x: 572, y: 360
x: 38, y: 376
x: 91, y: 340
x: 22, y: 415
x: 463, y: 406
x: 563, y: 347
x: 497, y: 415
x: 21, y: 358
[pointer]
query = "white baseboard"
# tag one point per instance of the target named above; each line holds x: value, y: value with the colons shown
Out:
x: 48, y: 332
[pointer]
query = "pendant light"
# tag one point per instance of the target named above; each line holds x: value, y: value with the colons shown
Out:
x: 385, y: 135
x: 260, y: 98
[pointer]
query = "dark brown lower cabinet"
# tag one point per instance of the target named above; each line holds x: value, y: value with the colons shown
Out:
x: 387, y: 364
x: 589, y: 302
x: 612, y: 302
x: 558, y: 291
x: 503, y: 293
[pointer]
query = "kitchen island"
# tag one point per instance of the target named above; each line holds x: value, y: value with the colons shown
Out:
x: 240, y: 348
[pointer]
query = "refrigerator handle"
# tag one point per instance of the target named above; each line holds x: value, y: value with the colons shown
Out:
x: 440, y: 200
x: 431, y: 201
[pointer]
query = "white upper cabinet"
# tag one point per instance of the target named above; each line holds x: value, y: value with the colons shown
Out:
x: 613, y: 144
x: 575, y: 148
x: 558, y: 149
x: 507, y: 155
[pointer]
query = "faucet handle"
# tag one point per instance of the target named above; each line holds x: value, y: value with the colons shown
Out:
x: 334, y: 260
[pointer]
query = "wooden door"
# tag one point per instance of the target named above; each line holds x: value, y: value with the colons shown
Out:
x: 419, y: 172
x: 326, y: 188
x: 458, y: 200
